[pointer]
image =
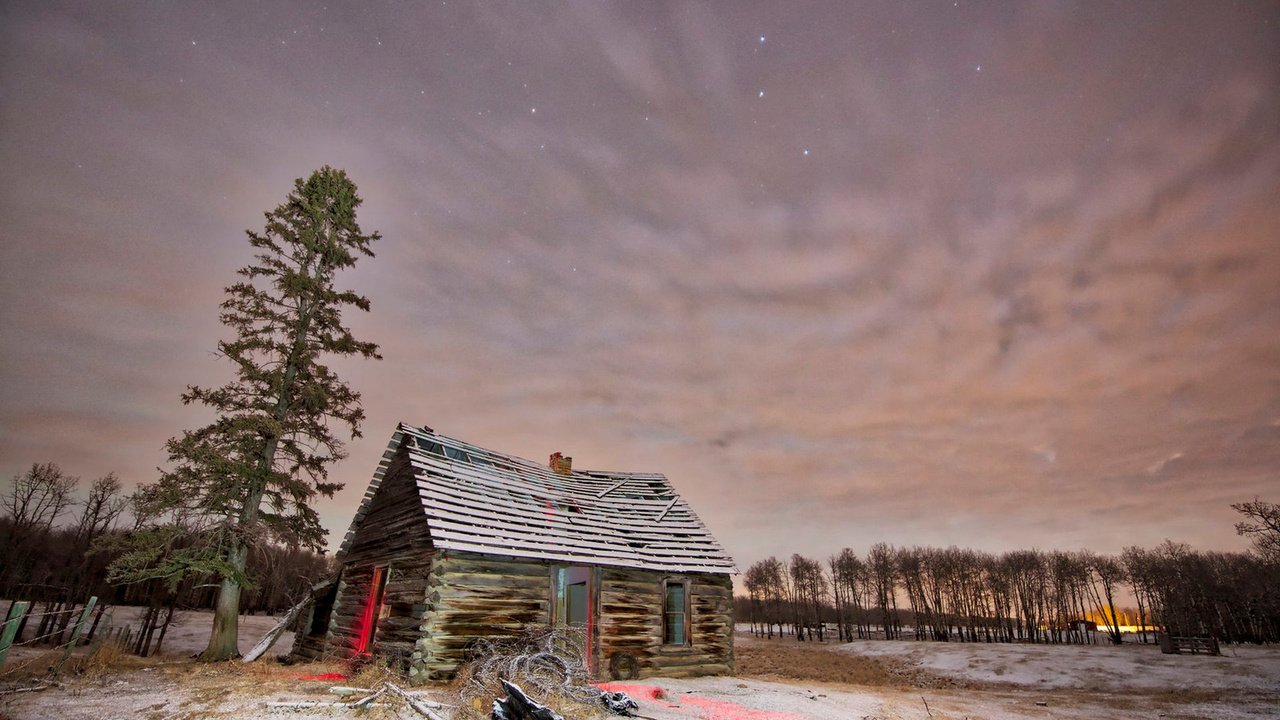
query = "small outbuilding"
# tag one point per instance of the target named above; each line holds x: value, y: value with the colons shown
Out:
x: 454, y: 543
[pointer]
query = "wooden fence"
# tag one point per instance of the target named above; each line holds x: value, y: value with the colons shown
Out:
x: 54, y: 621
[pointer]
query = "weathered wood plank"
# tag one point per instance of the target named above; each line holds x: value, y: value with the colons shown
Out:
x: 392, y: 532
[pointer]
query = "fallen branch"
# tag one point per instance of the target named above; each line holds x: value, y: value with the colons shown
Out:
x: 271, y: 637
x: 22, y: 690
x: 313, y: 705
x: 364, y: 702
x: 344, y: 690
x: 418, y: 705
x: 422, y: 706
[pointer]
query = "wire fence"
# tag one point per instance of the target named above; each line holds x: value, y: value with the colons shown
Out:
x: 19, y: 615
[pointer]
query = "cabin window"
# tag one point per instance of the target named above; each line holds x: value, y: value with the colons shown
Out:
x: 432, y: 447
x: 675, y: 612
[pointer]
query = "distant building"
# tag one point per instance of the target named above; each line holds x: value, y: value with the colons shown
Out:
x: 453, y: 543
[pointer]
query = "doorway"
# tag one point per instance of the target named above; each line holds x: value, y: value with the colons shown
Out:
x: 373, y: 610
x: 572, y: 605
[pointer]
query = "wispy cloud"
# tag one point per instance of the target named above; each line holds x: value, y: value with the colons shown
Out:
x: 999, y: 307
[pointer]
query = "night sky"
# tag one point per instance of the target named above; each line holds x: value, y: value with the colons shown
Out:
x: 993, y: 275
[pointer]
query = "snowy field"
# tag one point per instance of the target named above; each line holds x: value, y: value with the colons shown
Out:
x: 780, y: 680
x: 1098, y: 668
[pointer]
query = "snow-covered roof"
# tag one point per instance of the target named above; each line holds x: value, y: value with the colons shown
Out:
x: 481, y: 501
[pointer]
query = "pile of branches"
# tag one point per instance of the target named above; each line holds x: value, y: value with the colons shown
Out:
x: 546, y: 663
x: 369, y: 698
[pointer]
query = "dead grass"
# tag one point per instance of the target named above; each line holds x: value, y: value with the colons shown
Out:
x: 789, y: 659
x: 783, y: 659
x: 373, y: 673
x: 91, y: 664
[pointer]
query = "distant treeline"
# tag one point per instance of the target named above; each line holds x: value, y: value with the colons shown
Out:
x: 1026, y: 595
x: 57, y: 541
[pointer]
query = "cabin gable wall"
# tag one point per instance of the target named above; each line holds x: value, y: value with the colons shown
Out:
x: 392, y: 535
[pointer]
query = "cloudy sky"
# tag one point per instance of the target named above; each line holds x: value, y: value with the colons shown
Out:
x: 993, y: 275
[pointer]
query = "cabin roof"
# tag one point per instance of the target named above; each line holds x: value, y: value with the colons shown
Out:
x: 482, y: 501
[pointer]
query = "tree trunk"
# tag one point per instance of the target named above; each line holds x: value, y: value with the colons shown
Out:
x: 226, y: 613
x: 168, y: 618
x: 140, y: 643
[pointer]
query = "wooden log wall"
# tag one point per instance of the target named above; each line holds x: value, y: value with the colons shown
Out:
x: 472, y: 596
x: 630, y: 622
x: 393, y: 534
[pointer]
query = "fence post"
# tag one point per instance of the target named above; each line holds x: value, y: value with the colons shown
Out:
x: 95, y: 641
x: 16, y: 611
x: 75, y: 634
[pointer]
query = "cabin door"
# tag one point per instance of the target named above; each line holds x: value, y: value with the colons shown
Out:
x: 572, y: 605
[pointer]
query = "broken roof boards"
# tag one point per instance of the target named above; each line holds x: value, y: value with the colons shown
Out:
x: 482, y: 501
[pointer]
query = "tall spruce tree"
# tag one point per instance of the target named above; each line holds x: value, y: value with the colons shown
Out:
x: 250, y: 476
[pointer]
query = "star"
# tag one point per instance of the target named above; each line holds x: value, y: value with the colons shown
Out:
x: 762, y: 39
x: 533, y: 110
x: 979, y: 68
x: 761, y: 94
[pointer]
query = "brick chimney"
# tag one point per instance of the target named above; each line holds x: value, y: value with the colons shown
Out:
x: 562, y: 464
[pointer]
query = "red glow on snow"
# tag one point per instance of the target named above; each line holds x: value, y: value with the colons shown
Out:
x: 637, y: 692
x: 323, y: 676
x: 697, y: 707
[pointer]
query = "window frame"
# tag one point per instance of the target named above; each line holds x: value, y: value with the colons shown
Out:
x: 687, y: 611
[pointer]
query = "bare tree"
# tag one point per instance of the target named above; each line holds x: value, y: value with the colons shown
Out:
x: 849, y: 579
x: 880, y: 561
x: 756, y: 583
x: 811, y: 592
x: 773, y: 592
x: 38, y: 497
x: 1026, y: 569
x: 101, y: 509
x: 1105, y: 575
x: 1137, y: 565
x: 1262, y: 525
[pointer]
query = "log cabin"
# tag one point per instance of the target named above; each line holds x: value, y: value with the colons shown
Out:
x: 453, y: 544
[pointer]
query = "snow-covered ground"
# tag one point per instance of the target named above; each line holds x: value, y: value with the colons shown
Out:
x: 905, y: 680
x: 1100, y: 668
x: 189, y: 632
